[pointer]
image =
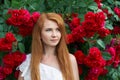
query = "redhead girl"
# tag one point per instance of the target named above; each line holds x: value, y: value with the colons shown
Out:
x: 49, y: 58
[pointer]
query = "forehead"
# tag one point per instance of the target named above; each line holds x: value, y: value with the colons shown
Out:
x: 50, y: 24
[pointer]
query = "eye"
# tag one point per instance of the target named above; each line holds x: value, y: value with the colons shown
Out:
x: 58, y: 29
x: 49, y: 29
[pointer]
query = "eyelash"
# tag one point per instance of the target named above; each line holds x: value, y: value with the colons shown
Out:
x: 51, y: 29
x: 58, y: 29
x: 48, y: 29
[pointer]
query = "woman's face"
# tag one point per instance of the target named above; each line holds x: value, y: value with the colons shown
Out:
x: 50, y: 33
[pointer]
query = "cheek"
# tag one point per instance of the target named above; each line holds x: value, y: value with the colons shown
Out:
x: 59, y: 35
x: 44, y: 36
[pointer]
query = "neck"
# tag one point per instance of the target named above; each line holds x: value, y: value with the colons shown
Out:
x: 49, y: 50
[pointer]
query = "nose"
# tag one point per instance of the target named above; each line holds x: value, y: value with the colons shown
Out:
x: 54, y: 34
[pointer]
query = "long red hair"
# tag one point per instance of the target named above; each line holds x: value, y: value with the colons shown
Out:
x: 62, y: 51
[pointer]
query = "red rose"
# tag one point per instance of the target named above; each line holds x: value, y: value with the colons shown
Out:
x: 117, y: 11
x: 104, y: 72
x: 95, y: 52
x: 78, y: 33
x: 74, y: 23
x: 100, y: 19
x: 112, y: 52
x: 103, y: 32
x: 94, y: 58
x: 9, y: 37
x: 90, y: 27
x: 2, y: 75
x: 25, y: 31
x: 94, y: 73
x: 116, y: 30
x: 6, y: 43
x: 89, y: 16
x: 90, y: 62
x: 23, y: 20
x: 79, y: 55
x: 117, y: 56
x: 8, y: 60
x: 70, y: 38
x: 18, y: 57
x: 4, y: 46
x: 93, y: 22
x: 98, y: 3
x: 107, y: 12
x: 18, y: 17
x: 7, y: 70
x: 35, y: 16
x: 74, y: 15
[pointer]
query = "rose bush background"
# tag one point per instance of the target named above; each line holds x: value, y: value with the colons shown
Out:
x: 93, y: 28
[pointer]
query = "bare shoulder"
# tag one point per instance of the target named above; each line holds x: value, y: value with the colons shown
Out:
x: 72, y: 57
x: 73, y: 60
x: 74, y: 66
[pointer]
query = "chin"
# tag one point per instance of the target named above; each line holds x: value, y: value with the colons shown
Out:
x: 54, y: 45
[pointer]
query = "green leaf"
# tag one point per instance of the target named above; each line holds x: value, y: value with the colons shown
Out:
x: 41, y: 5
x: 5, y: 27
x: 107, y: 39
x: 7, y: 3
x: 67, y: 28
x: 14, y: 48
x: 81, y: 17
x: 68, y: 10
x: 118, y: 68
x: 101, y: 43
x: 16, y: 4
x: 95, y: 36
x: 106, y: 55
x: 117, y: 3
x: 5, y: 11
x: 109, y: 25
x: 33, y: 6
x: 92, y: 3
x: 6, y: 16
x: 110, y: 1
x: 94, y: 8
x: 1, y: 28
x: 116, y: 17
x: 110, y: 10
x: 21, y: 47
x: 82, y: 4
x: 2, y: 34
x: 119, y: 71
x: 1, y: 20
x: 111, y: 71
x: 115, y: 76
x: 19, y: 37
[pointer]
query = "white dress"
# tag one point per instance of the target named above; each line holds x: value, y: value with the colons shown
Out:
x: 46, y: 72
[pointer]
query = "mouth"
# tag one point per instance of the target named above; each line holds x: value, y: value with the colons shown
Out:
x: 54, y: 40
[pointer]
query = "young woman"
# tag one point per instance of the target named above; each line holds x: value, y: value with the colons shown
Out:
x: 49, y: 59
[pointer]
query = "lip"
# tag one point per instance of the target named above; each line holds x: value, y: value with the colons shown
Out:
x: 54, y: 40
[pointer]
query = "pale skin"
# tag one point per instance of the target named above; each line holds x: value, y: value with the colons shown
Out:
x: 50, y: 36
